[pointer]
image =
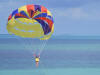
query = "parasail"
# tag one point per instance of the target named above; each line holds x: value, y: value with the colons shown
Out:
x: 31, y: 21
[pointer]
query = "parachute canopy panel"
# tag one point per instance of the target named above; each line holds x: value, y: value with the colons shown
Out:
x: 31, y: 21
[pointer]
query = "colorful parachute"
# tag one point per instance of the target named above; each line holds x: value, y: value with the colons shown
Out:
x: 31, y: 21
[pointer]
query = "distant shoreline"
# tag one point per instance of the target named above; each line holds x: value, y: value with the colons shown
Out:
x: 55, y: 37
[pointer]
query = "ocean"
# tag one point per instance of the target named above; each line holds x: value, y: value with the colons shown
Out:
x: 58, y: 56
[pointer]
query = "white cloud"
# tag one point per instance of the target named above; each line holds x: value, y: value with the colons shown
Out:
x: 87, y: 12
x: 72, y: 13
x: 77, y: 13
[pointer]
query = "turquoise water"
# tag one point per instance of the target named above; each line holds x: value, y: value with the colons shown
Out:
x: 59, y: 57
x: 58, y: 71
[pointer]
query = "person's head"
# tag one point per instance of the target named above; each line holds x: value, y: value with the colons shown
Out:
x: 36, y: 56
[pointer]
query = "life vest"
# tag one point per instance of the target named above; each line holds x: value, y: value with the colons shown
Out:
x: 37, y: 59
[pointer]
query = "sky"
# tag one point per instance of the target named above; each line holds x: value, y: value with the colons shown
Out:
x: 71, y: 17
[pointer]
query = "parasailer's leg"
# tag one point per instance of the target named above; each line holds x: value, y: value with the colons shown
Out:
x: 37, y: 59
x: 37, y: 64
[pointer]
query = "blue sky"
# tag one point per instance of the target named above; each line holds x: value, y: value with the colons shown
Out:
x: 72, y: 17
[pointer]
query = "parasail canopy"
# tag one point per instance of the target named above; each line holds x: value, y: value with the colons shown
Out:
x: 31, y: 21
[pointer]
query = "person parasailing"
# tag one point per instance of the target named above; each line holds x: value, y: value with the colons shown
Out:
x: 37, y: 59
